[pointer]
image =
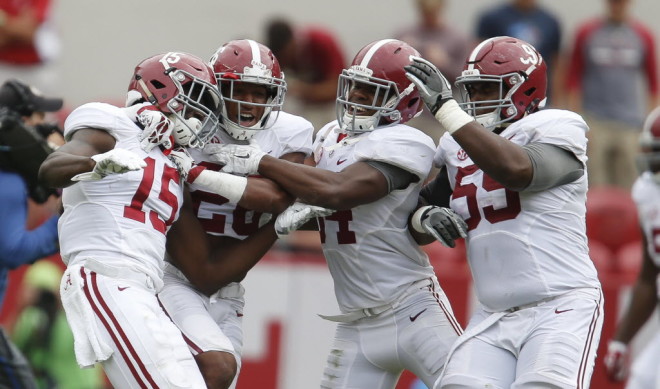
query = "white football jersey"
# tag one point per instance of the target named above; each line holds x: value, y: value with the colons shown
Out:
x: 370, y: 253
x: 218, y: 216
x: 121, y: 219
x: 646, y: 193
x: 523, y: 246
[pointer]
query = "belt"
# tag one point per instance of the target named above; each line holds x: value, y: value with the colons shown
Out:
x: 375, y: 311
x: 357, y: 315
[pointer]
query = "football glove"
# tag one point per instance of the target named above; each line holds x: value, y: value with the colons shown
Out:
x: 237, y: 159
x: 433, y: 87
x: 443, y: 224
x: 296, y: 215
x: 157, y: 128
x: 616, y: 360
x: 183, y: 161
x: 115, y: 161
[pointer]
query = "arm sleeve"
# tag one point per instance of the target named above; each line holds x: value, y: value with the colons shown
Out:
x: 397, y: 178
x: 438, y: 191
x: 552, y: 165
x: 650, y: 63
x: 18, y: 245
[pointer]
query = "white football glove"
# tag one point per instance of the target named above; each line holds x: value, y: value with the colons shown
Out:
x: 115, y: 161
x: 183, y: 161
x: 238, y: 159
x: 443, y: 224
x: 616, y: 360
x: 157, y: 128
x: 296, y: 215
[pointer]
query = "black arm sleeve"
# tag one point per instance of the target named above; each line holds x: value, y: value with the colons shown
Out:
x: 438, y: 191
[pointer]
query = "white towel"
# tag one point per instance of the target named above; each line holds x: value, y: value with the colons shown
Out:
x: 88, y: 346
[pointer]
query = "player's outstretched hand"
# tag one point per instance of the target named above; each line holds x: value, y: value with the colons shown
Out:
x: 115, y: 161
x: 432, y: 84
x: 443, y: 224
x: 616, y: 361
x: 296, y: 215
x: 238, y: 159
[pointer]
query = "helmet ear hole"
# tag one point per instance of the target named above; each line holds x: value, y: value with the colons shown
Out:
x: 413, y: 101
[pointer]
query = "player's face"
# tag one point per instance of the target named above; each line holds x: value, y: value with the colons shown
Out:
x: 245, y: 114
x: 362, y: 93
x: 483, y: 91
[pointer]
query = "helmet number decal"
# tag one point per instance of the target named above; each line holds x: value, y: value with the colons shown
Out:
x: 533, y: 58
x: 169, y: 59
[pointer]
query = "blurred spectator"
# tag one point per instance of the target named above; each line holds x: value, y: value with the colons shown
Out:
x: 526, y: 20
x: 612, y: 80
x: 312, y: 60
x: 28, y: 42
x: 41, y: 332
x: 440, y: 43
x: 22, y: 149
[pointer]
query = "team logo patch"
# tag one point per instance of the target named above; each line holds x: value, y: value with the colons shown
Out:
x: 461, y: 155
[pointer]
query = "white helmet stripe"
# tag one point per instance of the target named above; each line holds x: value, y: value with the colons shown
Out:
x: 256, y: 54
x: 473, y: 55
x: 372, y: 51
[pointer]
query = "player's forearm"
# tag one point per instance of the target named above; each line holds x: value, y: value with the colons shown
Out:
x: 642, y: 305
x: 59, y: 167
x: 501, y: 159
x: 310, y: 185
x: 264, y: 195
x: 230, y: 262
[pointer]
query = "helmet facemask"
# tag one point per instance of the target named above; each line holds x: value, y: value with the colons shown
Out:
x: 489, y: 113
x: 195, y: 110
x: 354, y: 117
x: 275, y: 91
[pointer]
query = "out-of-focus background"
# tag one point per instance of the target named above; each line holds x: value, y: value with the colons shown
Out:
x: 102, y: 41
x: 94, y: 46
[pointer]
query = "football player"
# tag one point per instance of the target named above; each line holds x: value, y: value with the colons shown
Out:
x: 370, y: 167
x: 646, y: 292
x: 516, y: 175
x: 233, y: 227
x: 121, y: 195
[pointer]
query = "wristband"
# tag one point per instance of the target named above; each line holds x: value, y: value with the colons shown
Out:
x: 417, y: 217
x: 452, y: 117
x: 226, y: 185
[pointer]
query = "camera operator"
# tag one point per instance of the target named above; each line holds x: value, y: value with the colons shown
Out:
x: 25, y: 141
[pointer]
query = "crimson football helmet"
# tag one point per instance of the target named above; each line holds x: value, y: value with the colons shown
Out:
x: 519, y: 72
x: 248, y: 61
x: 183, y: 87
x: 378, y: 65
x: 649, y: 158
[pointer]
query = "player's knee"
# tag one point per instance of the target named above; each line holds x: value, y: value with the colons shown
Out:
x: 218, y: 368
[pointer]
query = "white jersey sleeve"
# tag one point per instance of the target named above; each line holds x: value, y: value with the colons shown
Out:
x: 103, y: 116
x: 294, y: 134
x: 561, y: 128
x: 401, y: 146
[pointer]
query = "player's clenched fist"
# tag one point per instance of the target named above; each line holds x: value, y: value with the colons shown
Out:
x: 616, y: 360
